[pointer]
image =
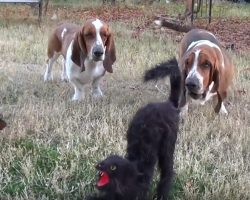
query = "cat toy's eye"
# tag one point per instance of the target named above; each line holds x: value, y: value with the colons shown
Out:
x: 113, y: 167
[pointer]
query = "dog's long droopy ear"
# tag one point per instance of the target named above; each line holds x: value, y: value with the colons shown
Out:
x: 2, y: 124
x: 218, y: 65
x: 110, y: 54
x: 215, y: 78
x: 79, y: 50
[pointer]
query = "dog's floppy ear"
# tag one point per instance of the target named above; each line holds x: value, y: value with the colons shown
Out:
x: 183, y: 68
x: 182, y: 62
x: 218, y: 65
x: 215, y: 78
x: 2, y: 124
x: 79, y: 50
x: 110, y: 54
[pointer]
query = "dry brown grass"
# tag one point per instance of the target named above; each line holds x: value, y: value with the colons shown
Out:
x: 50, y: 147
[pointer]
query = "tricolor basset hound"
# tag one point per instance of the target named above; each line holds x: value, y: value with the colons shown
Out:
x: 88, y: 52
x: 207, y: 69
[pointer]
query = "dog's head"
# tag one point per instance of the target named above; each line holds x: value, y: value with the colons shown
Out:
x: 115, y: 172
x: 201, y: 65
x: 95, y: 42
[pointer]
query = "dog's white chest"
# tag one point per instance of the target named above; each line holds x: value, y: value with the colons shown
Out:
x: 92, y: 70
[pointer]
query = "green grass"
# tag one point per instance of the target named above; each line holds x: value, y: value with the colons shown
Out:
x: 51, y: 145
x: 222, y: 10
x: 44, y: 171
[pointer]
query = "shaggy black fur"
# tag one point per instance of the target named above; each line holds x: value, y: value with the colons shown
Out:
x: 151, y: 138
x: 2, y: 124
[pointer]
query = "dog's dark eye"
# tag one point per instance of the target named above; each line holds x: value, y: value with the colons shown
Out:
x: 187, y: 62
x: 113, y: 167
x: 105, y: 35
x: 207, y: 64
x: 89, y: 34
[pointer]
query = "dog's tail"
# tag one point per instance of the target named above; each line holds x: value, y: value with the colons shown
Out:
x: 169, y: 68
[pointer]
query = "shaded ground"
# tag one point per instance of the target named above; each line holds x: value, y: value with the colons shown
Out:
x: 233, y: 33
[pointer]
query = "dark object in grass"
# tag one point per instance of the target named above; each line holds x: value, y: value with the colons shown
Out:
x: 2, y: 124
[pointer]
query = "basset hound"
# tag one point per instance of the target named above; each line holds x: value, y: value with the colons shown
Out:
x: 88, y: 51
x: 207, y: 69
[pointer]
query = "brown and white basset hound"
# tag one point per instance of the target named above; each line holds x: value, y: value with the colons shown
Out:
x: 88, y: 52
x: 207, y: 69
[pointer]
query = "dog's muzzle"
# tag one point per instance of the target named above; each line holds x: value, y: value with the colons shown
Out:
x: 194, y: 87
x: 98, y: 53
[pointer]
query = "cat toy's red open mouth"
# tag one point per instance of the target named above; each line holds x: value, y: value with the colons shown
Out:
x: 103, y: 179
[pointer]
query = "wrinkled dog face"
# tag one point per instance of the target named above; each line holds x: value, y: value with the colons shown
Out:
x: 198, y: 66
x: 95, y: 37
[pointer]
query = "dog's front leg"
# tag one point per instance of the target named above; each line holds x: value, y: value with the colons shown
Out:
x: 79, y: 90
x: 48, y: 73
x: 96, y: 90
x: 64, y: 76
x: 220, y: 107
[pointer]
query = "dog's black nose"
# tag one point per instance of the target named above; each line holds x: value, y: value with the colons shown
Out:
x: 98, y: 52
x: 193, y: 84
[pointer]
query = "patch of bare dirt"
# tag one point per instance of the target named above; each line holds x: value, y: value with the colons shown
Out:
x: 106, y: 13
x: 233, y: 33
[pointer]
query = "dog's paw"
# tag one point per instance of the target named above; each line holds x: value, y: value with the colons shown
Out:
x: 97, y: 94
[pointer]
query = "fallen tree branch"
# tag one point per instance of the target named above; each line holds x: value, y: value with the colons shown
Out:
x: 171, y: 23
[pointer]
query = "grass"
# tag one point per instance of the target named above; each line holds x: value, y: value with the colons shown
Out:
x: 51, y: 145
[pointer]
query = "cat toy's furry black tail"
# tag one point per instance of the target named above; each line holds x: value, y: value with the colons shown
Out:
x: 168, y: 68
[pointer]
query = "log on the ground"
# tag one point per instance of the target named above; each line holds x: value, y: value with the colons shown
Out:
x: 171, y: 23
